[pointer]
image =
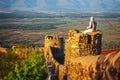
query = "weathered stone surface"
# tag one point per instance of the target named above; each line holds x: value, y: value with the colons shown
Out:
x: 82, y: 59
x: 55, y: 43
x: 79, y: 44
x: 52, y: 41
x: 101, y: 67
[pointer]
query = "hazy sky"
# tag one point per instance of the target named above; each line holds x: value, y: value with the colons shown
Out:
x: 61, y: 4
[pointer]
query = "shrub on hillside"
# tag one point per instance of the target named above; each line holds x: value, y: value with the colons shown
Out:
x: 31, y: 69
x: 7, y: 62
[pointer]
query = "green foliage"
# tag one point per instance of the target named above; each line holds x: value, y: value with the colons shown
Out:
x: 31, y: 69
x: 19, y: 45
x: 43, y: 26
x: 7, y: 61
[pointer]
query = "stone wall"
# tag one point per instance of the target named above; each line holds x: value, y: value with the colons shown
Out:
x: 56, y: 45
x: 82, y: 59
x: 56, y: 70
x: 101, y: 67
x: 79, y: 44
x: 52, y: 41
x: 54, y: 56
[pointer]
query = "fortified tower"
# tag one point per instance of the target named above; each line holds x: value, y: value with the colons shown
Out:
x: 79, y: 44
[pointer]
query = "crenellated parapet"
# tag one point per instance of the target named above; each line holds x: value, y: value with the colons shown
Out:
x: 53, y: 41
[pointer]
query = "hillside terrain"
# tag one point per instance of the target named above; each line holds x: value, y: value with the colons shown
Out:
x: 31, y: 30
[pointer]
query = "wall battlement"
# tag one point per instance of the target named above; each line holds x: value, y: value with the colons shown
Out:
x: 53, y: 41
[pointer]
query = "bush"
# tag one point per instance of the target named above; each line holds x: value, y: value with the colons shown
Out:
x: 7, y: 62
x: 33, y: 68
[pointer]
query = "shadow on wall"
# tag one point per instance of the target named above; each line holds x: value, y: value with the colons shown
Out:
x: 58, y: 54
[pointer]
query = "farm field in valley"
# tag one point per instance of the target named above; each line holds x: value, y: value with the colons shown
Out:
x: 33, y: 30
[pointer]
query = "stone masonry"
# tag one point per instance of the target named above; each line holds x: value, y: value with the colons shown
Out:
x: 79, y: 44
x: 79, y: 58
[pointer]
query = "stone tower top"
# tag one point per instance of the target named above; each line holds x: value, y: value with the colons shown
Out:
x: 79, y: 44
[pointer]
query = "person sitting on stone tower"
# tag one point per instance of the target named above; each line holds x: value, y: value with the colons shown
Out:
x: 92, y: 26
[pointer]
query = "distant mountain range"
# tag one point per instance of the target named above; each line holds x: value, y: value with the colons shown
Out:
x: 60, y: 5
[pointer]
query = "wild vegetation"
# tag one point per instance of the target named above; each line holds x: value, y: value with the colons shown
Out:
x: 33, y: 68
x: 22, y: 62
x: 7, y: 61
